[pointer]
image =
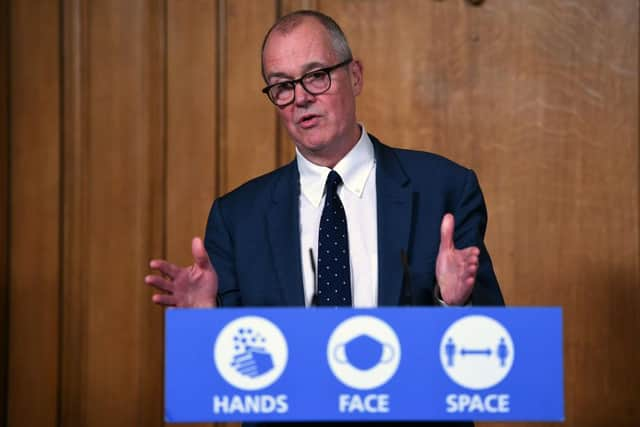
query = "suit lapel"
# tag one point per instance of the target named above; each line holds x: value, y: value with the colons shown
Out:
x: 394, y: 203
x: 284, y: 235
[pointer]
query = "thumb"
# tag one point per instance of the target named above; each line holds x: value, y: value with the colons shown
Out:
x: 200, y: 256
x: 446, y: 232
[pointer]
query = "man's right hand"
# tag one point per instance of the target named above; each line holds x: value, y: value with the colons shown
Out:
x: 192, y: 286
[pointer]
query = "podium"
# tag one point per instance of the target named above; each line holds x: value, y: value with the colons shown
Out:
x: 384, y: 364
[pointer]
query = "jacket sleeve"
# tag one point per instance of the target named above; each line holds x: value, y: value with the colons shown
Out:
x: 470, y: 226
x: 220, y: 247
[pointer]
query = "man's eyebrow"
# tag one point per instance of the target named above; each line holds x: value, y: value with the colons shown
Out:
x: 305, y: 69
x: 312, y: 66
x: 277, y: 74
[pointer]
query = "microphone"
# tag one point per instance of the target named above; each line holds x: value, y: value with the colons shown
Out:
x: 314, y: 298
x: 407, y: 291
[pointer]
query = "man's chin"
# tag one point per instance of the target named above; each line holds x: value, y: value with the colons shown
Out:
x: 312, y: 149
x: 311, y: 142
x: 315, y: 146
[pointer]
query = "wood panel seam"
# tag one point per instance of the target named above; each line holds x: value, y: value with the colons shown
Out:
x: 61, y: 217
x: 6, y: 317
x: 221, y: 96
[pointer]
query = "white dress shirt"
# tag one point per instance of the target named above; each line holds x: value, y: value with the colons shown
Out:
x: 358, y: 195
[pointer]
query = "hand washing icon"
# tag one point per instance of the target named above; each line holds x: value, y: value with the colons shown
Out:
x: 250, y: 353
x: 363, y: 352
x: 252, y: 358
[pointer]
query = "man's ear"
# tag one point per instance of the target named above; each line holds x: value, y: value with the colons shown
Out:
x: 356, y: 71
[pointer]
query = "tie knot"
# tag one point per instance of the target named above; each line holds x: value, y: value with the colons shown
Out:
x: 333, y: 180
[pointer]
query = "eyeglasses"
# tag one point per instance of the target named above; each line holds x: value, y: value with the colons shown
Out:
x: 315, y: 82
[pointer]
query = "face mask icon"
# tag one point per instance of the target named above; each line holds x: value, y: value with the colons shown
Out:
x: 363, y: 352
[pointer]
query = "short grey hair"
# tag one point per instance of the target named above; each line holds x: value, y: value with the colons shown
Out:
x: 287, y: 23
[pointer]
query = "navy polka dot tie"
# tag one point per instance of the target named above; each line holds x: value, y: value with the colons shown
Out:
x: 334, y: 274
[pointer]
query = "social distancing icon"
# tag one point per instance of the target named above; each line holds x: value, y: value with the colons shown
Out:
x: 476, y: 352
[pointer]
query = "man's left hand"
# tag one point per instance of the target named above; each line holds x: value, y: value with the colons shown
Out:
x: 456, y: 269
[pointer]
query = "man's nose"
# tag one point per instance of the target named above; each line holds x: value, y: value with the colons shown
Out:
x: 302, y: 96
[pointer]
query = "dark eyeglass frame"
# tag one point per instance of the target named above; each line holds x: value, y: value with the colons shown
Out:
x: 300, y: 80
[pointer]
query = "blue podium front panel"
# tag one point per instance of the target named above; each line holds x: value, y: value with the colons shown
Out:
x: 325, y: 364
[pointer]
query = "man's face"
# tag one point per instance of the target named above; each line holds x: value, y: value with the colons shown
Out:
x: 323, y: 127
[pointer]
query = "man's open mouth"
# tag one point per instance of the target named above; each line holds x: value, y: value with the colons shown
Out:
x: 308, y: 120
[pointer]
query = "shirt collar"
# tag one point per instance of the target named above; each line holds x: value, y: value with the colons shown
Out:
x: 354, y: 168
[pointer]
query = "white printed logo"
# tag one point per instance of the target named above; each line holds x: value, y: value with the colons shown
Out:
x: 363, y: 352
x: 476, y: 352
x: 250, y: 353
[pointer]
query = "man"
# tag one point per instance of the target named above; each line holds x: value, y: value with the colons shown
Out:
x: 388, y: 214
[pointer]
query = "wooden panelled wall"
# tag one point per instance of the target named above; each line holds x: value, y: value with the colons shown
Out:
x: 121, y: 120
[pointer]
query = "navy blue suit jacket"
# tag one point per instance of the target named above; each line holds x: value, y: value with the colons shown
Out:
x: 253, y: 237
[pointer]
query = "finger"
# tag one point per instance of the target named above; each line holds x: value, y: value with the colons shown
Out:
x: 242, y: 365
x: 471, y: 259
x: 250, y: 372
x: 241, y: 358
x: 469, y: 252
x: 446, y: 232
x: 470, y: 273
x: 472, y: 250
x: 159, y: 283
x: 200, y: 255
x: 248, y: 368
x: 469, y: 281
x: 164, y: 299
x: 471, y: 270
x: 165, y: 267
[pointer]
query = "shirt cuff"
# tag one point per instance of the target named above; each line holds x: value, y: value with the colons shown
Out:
x: 437, y: 299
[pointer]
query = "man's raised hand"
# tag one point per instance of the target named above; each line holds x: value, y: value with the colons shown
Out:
x: 192, y: 286
x: 456, y: 269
